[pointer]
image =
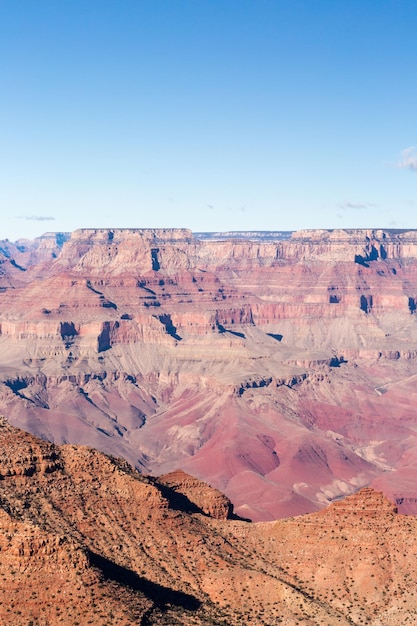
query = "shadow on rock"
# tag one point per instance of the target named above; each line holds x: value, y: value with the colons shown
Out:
x: 161, y: 596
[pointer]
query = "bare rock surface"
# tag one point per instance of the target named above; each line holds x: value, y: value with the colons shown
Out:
x: 205, y: 500
x: 280, y: 368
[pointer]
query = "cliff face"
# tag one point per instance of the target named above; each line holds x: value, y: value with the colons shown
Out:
x: 85, y: 539
x: 279, y: 369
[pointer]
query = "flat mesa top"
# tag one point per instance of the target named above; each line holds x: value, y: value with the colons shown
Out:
x: 184, y: 234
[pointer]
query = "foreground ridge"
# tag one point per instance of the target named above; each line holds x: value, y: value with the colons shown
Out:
x: 86, y: 539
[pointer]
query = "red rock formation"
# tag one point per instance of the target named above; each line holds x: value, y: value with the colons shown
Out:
x: 206, y: 499
x: 279, y: 370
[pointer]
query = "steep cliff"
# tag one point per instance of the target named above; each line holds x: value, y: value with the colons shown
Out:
x: 280, y: 369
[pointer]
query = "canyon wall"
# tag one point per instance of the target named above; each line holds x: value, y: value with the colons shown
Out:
x: 279, y: 369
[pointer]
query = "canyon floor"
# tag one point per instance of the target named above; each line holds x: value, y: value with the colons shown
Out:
x: 278, y: 367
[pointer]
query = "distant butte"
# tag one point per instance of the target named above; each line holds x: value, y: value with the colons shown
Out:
x: 279, y: 367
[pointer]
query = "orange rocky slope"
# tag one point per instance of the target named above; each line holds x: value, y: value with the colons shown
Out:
x: 87, y: 540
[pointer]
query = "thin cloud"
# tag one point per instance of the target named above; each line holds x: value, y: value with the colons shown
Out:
x: 356, y: 206
x: 37, y: 218
x: 408, y: 159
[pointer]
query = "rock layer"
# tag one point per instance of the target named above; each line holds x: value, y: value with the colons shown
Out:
x: 280, y: 369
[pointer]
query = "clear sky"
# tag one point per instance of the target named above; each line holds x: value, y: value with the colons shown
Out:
x: 207, y: 114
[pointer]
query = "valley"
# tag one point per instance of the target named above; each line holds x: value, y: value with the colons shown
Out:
x: 280, y: 369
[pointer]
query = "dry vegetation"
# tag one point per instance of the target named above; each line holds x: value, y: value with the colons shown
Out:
x: 86, y: 540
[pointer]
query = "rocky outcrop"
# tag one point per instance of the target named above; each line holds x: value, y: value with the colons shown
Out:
x: 208, y: 500
x: 26, y: 459
x: 367, y: 502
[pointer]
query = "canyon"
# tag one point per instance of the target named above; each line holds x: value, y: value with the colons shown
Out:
x: 279, y: 368
x: 86, y: 539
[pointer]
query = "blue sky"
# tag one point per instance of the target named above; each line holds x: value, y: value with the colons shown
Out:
x: 207, y: 114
